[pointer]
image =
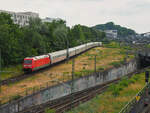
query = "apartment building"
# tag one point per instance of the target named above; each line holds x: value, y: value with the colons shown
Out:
x: 21, y: 18
x: 111, y: 33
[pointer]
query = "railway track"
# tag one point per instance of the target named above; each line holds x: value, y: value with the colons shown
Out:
x: 68, y: 102
x: 14, y: 79
x: 20, y: 77
x: 24, y: 76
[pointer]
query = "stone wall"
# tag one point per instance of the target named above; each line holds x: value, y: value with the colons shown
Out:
x: 64, y: 89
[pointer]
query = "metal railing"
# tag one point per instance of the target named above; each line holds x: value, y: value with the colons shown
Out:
x: 132, y: 104
x: 30, y: 90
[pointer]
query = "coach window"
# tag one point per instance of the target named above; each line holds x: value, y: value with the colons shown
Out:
x: 27, y: 61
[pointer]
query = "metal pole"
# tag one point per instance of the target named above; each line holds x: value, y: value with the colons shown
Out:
x: 0, y: 74
x: 67, y: 49
x: 95, y: 64
x: 72, y: 85
x: 73, y: 69
x: 0, y: 70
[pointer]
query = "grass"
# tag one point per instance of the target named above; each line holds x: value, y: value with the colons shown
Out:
x: 83, y: 67
x: 15, y: 97
x: 114, y: 44
x: 101, y: 68
x: 47, y: 110
x: 11, y: 71
x: 115, y: 64
x: 115, y: 98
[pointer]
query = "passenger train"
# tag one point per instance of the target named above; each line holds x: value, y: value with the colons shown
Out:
x: 38, y: 62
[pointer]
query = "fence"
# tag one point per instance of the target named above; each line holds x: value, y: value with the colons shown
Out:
x: 29, y: 91
x: 136, y: 105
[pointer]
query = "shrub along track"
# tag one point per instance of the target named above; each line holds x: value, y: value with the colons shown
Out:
x: 68, y: 102
x: 24, y: 76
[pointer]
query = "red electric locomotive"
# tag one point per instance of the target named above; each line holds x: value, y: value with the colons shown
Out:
x: 37, y: 62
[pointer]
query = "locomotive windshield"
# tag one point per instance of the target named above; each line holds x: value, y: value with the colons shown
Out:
x: 27, y: 61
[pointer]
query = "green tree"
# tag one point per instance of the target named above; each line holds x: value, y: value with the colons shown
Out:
x: 39, y: 38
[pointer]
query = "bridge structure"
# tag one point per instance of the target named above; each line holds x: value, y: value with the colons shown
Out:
x: 146, y: 34
x: 144, y: 57
x: 141, y: 102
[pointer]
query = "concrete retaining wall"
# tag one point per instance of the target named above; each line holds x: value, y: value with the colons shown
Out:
x: 60, y: 90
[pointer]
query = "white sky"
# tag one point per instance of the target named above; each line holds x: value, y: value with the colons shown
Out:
x: 134, y: 14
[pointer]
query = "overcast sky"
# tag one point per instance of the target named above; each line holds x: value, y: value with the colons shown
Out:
x: 133, y: 14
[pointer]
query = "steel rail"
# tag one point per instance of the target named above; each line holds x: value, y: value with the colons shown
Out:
x: 24, y: 76
x: 65, y: 103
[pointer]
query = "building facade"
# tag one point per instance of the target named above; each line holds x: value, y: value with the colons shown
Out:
x: 111, y: 33
x: 146, y: 34
x: 21, y: 18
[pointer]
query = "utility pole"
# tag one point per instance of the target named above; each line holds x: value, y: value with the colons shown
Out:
x: 0, y: 74
x: 72, y: 85
x: 95, y: 63
x: 0, y: 70
x: 67, y: 49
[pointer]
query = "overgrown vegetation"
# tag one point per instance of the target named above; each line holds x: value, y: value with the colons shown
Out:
x: 114, y: 49
x: 116, y: 88
x: 117, y: 63
x: 83, y: 73
x: 11, y: 71
x: 47, y: 110
x: 116, y: 96
x: 62, y: 72
x: 16, y: 97
x: 148, y: 46
x: 114, y: 44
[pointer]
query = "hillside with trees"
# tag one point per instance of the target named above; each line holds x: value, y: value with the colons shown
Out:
x: 122, y: 31
x: 39, y: 38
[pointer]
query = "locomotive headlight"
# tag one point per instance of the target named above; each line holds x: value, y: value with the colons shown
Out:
x: 27, y: 65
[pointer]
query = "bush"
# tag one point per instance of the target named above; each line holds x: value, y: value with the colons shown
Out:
x: 115, y: 92
x: 16, y: 97
x: 115, y: 64
x: 116, y: 88
x: 132, y: 80
x: 90, y: 58
x: 65, y: 73
x: 122, y: 52
x: 100, y: 68
x: 112, y: 87
x: 135, y: 77
x: 122, y: 61
x: 78, y: 74
x: 120, y: 88
x: 111, y: 45
x: 124, y: 83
